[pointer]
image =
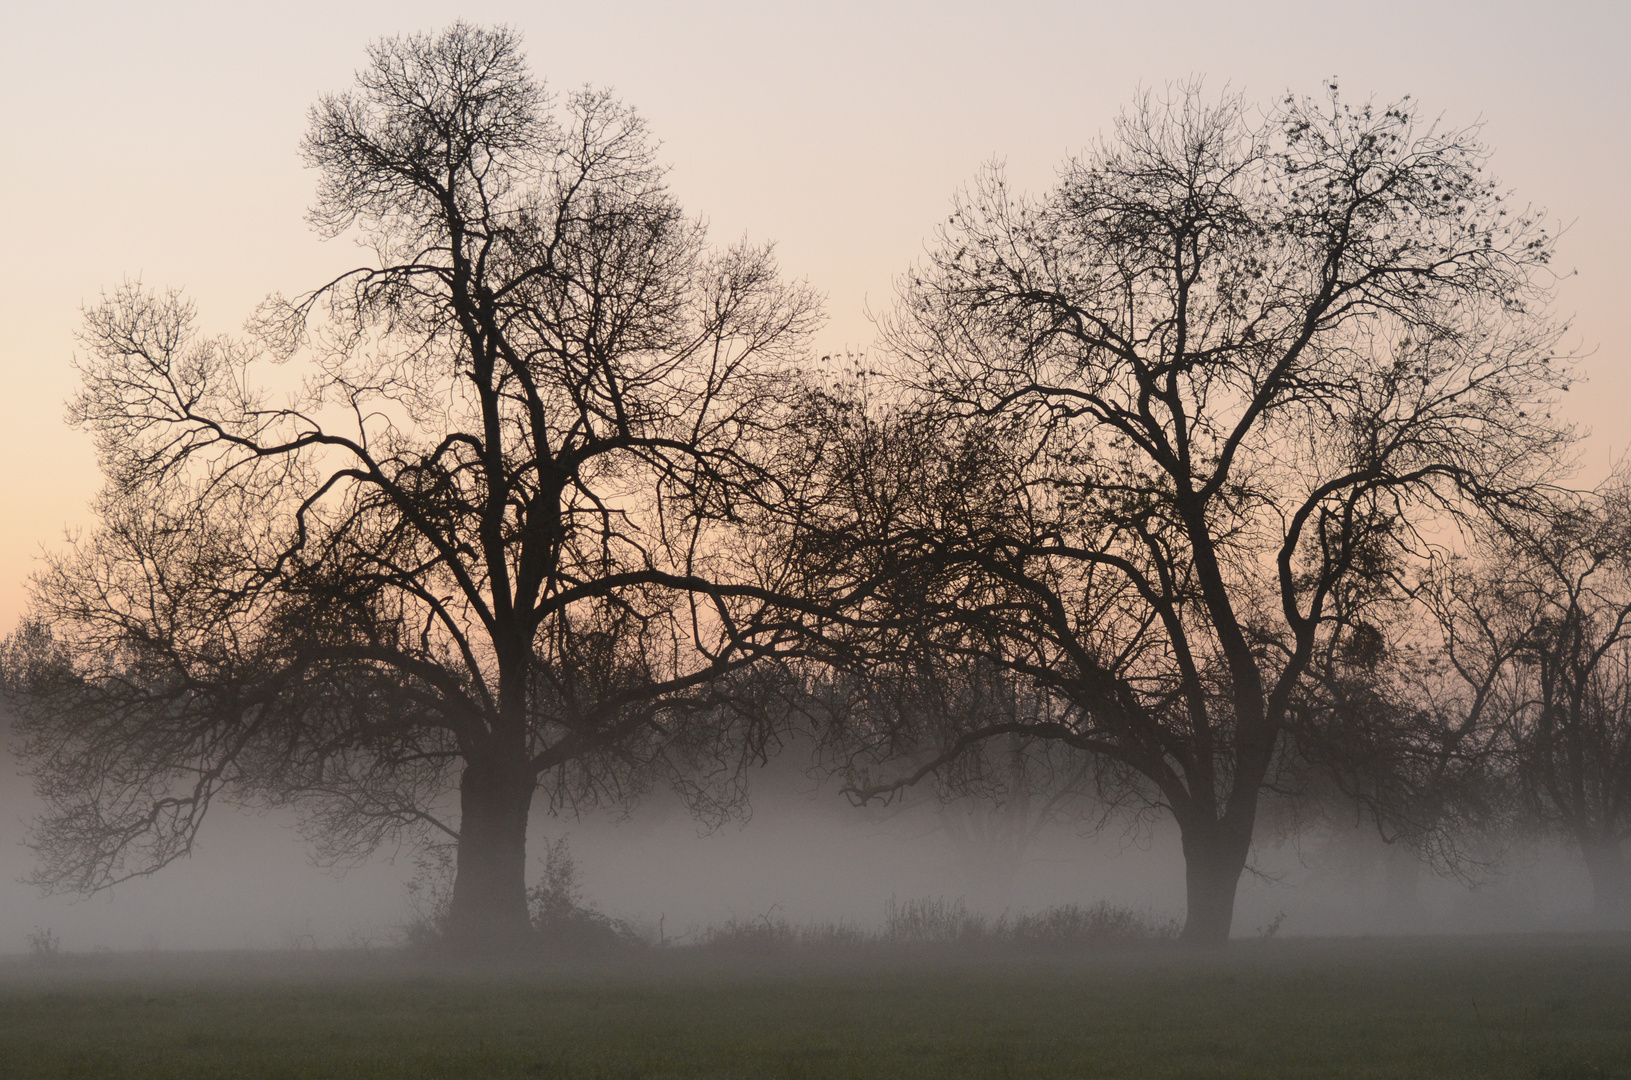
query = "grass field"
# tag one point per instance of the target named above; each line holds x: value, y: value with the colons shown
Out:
x: 1541, y: 1008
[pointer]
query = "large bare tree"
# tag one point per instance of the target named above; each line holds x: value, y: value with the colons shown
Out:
x: 1163, y: 429
x: 477, y: 534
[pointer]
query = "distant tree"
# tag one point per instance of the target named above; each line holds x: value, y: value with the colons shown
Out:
x: 993, y: 826
x: 990, y: 802
x: 1401, y: 729
x: 1555, y: 591
x: 489, y: 542
x: 1156, y: 425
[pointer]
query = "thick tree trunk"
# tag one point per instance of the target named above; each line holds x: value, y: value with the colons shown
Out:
x: 1610, y: 880
x: 489, y: 909
x: 1214, y: 858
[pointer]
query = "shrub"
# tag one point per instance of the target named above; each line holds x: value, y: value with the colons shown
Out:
x: 772, y: 934
x: 563, y: 921
x: 44, y: 946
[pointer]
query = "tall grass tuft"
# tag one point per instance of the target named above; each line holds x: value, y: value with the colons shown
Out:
x: 945, y: 926
x: 771, y: 934
x: 565, y: 924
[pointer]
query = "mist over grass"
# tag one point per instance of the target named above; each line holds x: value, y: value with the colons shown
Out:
x: 805, y: 860
x: 805, y: 864
x: 565, y: 924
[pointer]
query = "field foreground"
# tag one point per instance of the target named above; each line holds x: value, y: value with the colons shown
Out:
x: 1536, y: 1007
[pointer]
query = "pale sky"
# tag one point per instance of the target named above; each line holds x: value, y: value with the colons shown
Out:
x: 158, y: 140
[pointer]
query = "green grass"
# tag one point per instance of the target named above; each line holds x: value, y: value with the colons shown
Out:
x: 1547, y: 1008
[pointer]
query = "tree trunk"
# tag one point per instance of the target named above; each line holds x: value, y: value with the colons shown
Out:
x: 1214, y: 858
x: 488, y: 913
x: 1610, y: 880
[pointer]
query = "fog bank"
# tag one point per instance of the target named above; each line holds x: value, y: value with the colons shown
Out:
x: 804, y: 854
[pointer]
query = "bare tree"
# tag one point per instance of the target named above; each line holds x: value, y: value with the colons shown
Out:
x: 490, y: 540
x: 993, y: 826
x: 1555, y: 591
x: 991, y: 801
x: 1401, y: 727
x: 1170, y: 415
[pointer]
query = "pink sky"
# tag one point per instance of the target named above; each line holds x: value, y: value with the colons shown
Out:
x: 159, y: 140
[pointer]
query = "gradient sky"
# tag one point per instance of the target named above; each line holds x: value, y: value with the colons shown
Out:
x: 158, y: 140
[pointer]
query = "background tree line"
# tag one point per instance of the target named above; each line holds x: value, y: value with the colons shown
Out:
x: 1225, y: 469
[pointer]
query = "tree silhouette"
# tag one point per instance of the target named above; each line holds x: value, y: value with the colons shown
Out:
x: 1160, y: 432
x: 1553, y: 596
x: 490, y: 541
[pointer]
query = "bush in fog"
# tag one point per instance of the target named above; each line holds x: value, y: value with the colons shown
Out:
x: 772, y: 934
x: 44, y: 946
x: 941, y: 922
x: 941, y: 925
x: 562, y: 920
